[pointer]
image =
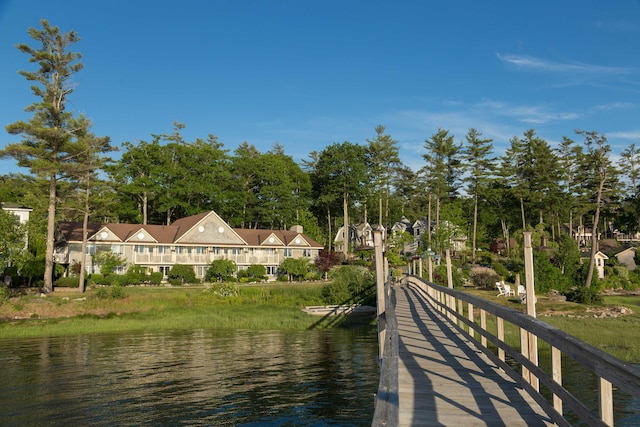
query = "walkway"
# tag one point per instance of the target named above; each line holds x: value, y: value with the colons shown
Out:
x: 444, y: 381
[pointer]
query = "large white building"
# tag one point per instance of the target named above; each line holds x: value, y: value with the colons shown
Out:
x: 195, y: 240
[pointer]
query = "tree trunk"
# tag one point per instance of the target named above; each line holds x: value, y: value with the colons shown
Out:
x: 51, y: 223
x: 475, y: 227
x: 145, y: 208
x: 345, y: 234
x: 85, y: 224
x: 594, y: 236
x: 524, y: 223
x: 330, y: 243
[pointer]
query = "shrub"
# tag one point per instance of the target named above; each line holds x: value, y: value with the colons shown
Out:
x: 175, y: 282
x: 117, y: 292
x: 220, y: 269
x: 136, y: 274
x: 584, y: 295
x: 117, y: 280
x: 98, y: 279
x: 257, y: 271
x: 484, y: 277
x: 184, y: 273
x: 350, y: 285
x: 156, y: 277
x: 223, y: 289
x: 67, y: 282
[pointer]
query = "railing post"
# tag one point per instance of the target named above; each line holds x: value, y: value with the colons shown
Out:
x: 532, y: 339
x: 556, y: 374
x: 606, y: 401
x: 377, y: 244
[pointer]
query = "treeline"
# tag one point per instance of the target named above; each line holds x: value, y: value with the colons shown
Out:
x: 463, y: 182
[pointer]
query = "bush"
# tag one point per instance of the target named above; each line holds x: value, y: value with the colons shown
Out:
x: 484, y: 277
x: 223, y: 289
x: 136, y: 274
x: 116, y: 280
x: 184, y: 273
x: 117, y: 292
x: 175, y: 282
x: 584, y: 295
x: 257, y: 271
x: 220, y: 269
x: 350, y: 285
x: 156, y: 277
x: 98, y: 279
x: 67, y: 282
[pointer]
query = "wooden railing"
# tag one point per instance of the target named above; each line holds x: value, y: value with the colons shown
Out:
x: 468, y: 314
x: 387, y: 399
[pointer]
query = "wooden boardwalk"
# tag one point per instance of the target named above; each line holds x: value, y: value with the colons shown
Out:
x: 445, y: 381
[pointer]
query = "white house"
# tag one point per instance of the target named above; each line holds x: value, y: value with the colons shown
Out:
x: 195, y: 240
x: 22, y: 212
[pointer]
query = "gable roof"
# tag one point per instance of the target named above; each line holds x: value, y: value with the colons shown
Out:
x: 204, y: 228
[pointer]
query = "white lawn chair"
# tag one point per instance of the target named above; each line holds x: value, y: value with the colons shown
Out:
x: 501, y: 290
x: 508, y: 291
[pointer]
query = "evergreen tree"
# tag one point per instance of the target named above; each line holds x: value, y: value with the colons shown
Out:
x: 383, y: 161
x: 598, y: 178
x: 46, y: 148
x: 476, y: 155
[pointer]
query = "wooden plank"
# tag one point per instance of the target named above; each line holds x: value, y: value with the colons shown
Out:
x: 444, y: 380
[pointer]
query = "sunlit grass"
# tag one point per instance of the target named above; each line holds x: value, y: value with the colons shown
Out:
x: 265, y: 307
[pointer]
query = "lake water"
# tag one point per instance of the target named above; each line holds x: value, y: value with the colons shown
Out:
x: 203, y: 377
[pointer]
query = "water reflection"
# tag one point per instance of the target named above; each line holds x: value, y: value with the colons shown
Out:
x: 222, y: 378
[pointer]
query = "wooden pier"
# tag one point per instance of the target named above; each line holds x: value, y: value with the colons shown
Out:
x: 444, y: 380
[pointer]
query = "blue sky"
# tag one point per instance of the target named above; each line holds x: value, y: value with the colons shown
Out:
x: 307, y: 74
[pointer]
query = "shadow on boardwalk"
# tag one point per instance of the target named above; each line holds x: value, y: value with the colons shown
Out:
x: 444, y: 381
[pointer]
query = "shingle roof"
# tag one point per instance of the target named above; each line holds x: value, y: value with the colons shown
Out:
x: 168, y: 234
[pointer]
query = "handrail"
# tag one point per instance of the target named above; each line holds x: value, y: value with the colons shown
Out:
x: 609, y: 370
x: 387, y: 402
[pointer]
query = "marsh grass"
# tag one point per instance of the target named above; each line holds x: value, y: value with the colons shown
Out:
x: 266, y: 307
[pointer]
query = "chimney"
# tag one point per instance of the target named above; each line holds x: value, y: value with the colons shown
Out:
x: 296, y: 228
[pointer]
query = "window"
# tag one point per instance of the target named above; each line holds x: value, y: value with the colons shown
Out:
x: 117, y: 249
x: 150, y: 249
x: 307, y: 253
x: 139, y: 249
x: 236, y: 251
x: 163, y: 249
x: 200, y: 250
x: 272, y: 270
x: 164, y: 269
x: 288, y: 252
x: 179, y: 249
x: 91, y: 249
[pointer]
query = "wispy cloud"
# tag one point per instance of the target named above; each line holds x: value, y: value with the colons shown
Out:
x: 537, y: 64
x: 620, y: 26
x: 530, y: 114
x: 613, y: 106
x: 629, y: 135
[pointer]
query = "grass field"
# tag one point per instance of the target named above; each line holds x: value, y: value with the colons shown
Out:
x: 267, y: 307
